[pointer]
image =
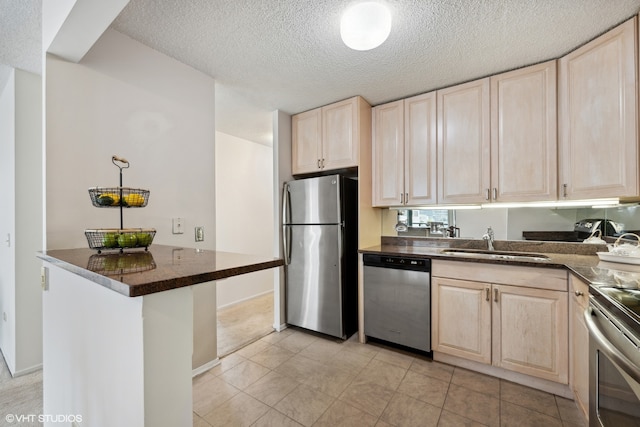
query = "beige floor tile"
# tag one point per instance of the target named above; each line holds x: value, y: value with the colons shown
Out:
x: 477, y: 406
x: 211, y: 392
x: 241, y: 410
x: 512, y: 415
x: 322, y: 350
x: 381, y: 423
x: 276, y: 336
x: 569, y: 412
x: 383, y: 373
x: 297, y: 341
x: 227, y: 363
x: 426, y: 389
x: 475, y: 381
x: 365, y: 350
x: 529, y: 398
x: 367, y: 396
x: 395, y: 357
x: 253, y: 349
x: 330, y: 380
x: 199, y: 422
x: 406, y: 411
x: 299, y: 368
x: 341, y: 414
x: 351, y: 361
x: 432, y: 369
x: 244, y: 374
x: 244, y: 323
x: 304, y: 405
x: 274, y: 418
x: 271, y: 388
x: 449, y: 419
x: 272, y: 357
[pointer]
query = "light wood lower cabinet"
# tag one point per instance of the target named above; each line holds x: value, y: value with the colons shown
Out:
x: 579, y: 339
x: 519, y: 328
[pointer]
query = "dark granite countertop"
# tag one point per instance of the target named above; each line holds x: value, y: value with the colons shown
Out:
x: 161, y: 268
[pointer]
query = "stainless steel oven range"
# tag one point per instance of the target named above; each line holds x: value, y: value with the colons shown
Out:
x: 614, y: 357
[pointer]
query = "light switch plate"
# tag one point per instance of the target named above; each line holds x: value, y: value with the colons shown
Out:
x: 178, y: 226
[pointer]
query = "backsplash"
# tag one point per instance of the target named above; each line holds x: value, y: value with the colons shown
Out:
x: 509, y: 223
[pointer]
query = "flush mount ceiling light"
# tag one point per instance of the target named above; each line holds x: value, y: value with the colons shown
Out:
x: 365, y: 26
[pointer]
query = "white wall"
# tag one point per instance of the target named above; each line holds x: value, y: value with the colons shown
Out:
x: 21, y: 222
x: 128, y: 100
x: 244, y: 212
x: 28, y: 237
x: 7, y: 221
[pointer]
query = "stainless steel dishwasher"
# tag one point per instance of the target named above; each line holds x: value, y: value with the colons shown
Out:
x: 397, y: 300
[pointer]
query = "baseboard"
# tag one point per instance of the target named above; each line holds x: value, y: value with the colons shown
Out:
x: 26, y: 371
x: 231, y: 304
x: 204, y: 368
x: 562, y: 390
x: 280, y: 328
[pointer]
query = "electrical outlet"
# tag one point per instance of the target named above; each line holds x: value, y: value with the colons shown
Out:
x: 178, y: 226
x: 199, y: 233
x: 44, y: 278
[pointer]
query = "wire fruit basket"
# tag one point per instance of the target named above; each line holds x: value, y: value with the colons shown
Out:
x: 113, y: 197
x: 119, y: 197
x: 120, y: 238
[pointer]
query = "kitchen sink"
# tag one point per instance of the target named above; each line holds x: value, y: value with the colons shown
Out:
x: 503, y: 255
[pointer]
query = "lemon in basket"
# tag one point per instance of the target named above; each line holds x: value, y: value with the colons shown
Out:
x: 134, y: 199
x: 144, y: 239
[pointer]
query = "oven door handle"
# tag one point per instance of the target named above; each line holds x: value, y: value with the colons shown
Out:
x: 608, y: 348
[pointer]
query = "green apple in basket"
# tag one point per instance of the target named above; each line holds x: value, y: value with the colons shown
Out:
x: 144, y: 239
x: 127, y: 240
x: 110, y: 240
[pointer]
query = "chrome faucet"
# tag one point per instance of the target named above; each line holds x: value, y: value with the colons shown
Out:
x: 488, y: 236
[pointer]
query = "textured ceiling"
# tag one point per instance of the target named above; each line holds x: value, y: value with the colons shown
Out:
x: 287, y: 54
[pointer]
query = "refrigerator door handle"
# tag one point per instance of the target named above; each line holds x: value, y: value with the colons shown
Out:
x: 285, y: 204
x: 286, y: 244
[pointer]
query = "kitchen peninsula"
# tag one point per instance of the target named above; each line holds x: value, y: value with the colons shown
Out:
x: 118, y: 331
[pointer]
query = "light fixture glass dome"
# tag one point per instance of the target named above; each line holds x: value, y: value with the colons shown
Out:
x: 365, y: 26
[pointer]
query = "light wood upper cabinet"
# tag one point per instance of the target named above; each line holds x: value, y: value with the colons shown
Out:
x: 515, y: 318
x: 523, y: 134
x: 404, y: 152
x: 579, y: 343
x: 598, y: 117
x: 420, y: 149
x: 328, y: 138
x: 307, y: 137
x: 388, y: 154
x: 463, y: 143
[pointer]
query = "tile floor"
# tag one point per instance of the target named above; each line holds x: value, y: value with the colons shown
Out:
x: 243, y: 323
x: 295, y: 378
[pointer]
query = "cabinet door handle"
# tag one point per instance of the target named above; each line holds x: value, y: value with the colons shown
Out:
x: 495, y: 295
x: 322, y: 163
x: 402, y: 198
x: 486, y: 194
x: 318, y: 163
x: 495, y: 193
x: 487, y: 292
x: 406, y: 198
x: 564, y: 190
x: 579, y: 293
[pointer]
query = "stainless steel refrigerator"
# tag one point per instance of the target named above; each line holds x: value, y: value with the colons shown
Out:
x: 320, y: 238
